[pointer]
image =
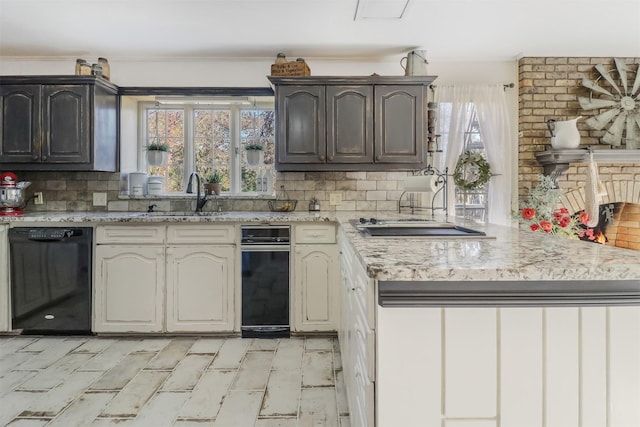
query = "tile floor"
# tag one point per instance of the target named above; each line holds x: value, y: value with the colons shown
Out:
x: 174, y: 381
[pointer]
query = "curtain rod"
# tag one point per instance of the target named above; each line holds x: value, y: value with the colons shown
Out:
x: 505, y: 86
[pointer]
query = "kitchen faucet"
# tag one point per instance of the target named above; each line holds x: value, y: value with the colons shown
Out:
x: 200, y: 202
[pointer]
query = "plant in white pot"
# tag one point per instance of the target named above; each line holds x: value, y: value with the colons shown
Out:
x: 157, y: 153
x: 213, y: 182
x: 255, y: 153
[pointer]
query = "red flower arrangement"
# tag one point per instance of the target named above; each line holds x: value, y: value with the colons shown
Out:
x: 539, y: 213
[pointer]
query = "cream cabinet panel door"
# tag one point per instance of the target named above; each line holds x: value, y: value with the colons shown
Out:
x: 200, y: 288
x: 316, y: 287
x: 4, y: 280
x: 128, y: 288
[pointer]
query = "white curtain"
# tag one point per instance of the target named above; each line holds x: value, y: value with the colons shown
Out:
x: 456, y: 105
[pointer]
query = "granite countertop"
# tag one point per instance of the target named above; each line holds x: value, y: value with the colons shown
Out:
x: 510, y: 255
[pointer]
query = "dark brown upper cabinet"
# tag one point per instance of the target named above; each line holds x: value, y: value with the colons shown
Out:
x: 58, y: 123
x: 350, y: 123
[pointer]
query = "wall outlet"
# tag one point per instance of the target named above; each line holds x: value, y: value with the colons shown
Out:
x: 99, y: 199
x: 37, y: 198
x: 335, y: 199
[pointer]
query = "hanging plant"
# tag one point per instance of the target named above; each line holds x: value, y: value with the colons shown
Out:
x: 472, y: 171
x: 255, y: 154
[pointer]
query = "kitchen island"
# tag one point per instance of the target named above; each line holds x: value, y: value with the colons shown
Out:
x: 520, y: 329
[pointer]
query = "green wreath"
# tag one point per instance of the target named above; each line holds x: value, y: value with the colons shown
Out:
x: 472, y: 171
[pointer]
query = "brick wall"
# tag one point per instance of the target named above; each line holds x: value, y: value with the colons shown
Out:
x: 549, y: 89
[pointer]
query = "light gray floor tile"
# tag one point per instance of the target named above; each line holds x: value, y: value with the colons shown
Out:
x: 254, y: 371
x: 341, y: 392
x: 289, y: 354
x: 56, y: 399
x: 194, y: 423
x: 231, y: 354
x: 259, y: 345
x: 127, y: 368
x: 57, y: 372
x: 207, y: 396
x: 135, y: 394
x: 11, y: 345
x: 51, y: 354
x: 41, y: 344
x: 28, y: 422
x: 318, y: 407
x: 282, y: 397
x: 152, y: 345
x: 161, y: 410
x: 317, y: 369
x: 239, y: 409
x: 111, y: 356
x: 83, y: 410
x: 169, y: 356
x: 112, y: 422
x: 319, y: 344
x: 188, y: 372
x: 95, y: 345
x: 12, y: 379
x: 277, y: 422
x: 14, y: 403
x: 207, y: 346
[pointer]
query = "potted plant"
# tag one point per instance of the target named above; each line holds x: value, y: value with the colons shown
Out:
x: 157, y: 153
x: 212, y: 182
x: 255, y: 153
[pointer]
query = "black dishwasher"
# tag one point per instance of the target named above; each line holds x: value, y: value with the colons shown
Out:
x: 51, y: 280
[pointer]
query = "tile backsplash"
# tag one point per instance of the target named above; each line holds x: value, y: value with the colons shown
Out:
x: 359, y: 191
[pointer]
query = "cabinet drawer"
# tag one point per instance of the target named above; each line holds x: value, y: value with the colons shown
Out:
x: 209, y: 234
x: 129, y: 234
x: 315, y: 233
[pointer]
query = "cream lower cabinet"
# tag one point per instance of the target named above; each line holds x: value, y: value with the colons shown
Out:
x: 176, y: 278
x: 129, y: 288
x: 316, y: 278
x: 5, y: 319
x: 200, y: 283
x: 357, y: 337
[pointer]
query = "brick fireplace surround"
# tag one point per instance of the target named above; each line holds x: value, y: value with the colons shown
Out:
x: 549, y: 89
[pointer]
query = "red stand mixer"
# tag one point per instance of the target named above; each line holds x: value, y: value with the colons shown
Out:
x: 12, y: 194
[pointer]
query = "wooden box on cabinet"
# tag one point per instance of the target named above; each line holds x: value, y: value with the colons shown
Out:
x: 58, y: 123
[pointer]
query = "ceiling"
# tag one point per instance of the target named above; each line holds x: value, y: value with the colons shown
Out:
x: 450, y: 30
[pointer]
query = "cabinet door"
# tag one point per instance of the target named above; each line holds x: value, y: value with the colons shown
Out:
x: 20, y: 123
x: 66, y: 121
x: 316, y: 282
x: 300, y: 129
x: 4, y: 280
x: 200, y: 288
x: 128, y: 288
x: 350, y: 124
x: 399, y: 133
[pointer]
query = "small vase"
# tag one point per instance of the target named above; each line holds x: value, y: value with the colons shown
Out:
x: 156, y: 157
x: 254, y: 157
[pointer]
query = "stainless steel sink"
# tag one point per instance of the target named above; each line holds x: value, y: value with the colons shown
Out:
x: 417, y: 228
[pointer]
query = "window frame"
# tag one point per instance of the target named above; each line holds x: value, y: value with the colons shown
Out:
x: 188, y: 106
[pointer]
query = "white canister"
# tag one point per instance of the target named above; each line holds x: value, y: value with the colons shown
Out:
x: 154, y: 185
x: 137, y: 179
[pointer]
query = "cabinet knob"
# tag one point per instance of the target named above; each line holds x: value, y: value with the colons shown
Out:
x: 322, y: 157
x: 35, y: 157
x: 378, y: 157
x: 44, y: 158
x: 330, y: 158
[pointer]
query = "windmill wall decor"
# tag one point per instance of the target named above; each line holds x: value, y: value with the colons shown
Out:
x: 620, y: 102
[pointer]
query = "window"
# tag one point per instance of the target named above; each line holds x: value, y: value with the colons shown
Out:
x: 208, y: 135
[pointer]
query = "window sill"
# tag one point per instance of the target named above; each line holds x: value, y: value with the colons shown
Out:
x: 185, y: 196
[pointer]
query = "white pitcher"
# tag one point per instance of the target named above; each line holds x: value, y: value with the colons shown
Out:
x: 415, y: 63
x: 564, y: 134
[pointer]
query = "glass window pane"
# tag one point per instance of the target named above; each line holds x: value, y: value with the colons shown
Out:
x: 212, y: 146
x: 166, y: 126
x: 256, y: 127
